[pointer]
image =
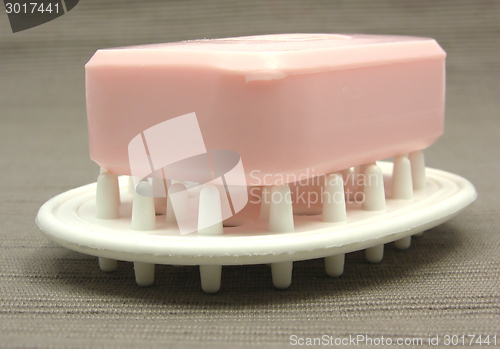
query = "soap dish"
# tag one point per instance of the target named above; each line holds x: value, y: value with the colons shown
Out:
x: 394, y: 211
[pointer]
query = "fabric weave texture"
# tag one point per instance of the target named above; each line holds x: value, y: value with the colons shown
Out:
x: 447, y: 283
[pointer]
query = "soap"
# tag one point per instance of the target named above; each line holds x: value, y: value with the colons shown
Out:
x: 293, y: 106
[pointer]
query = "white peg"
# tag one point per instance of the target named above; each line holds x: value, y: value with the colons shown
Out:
x: 402, y: 186
x: 210, y: 224
x: 374, y: 191
x: 334, y: 209
x: 107, y: 196
x: 362, y: 169
x: 360, y: 172
x: 144, y: 273
x: 143, y: 208
x: 374, y: 201
x: 107, y: 264
x: 281, y: 210
x: 350, y: 179
x: 375, y: 254
x: 281, y: 220
x: 210, y: 212
x: 335, y: 265
x: 181, y: 203
x: 210, y: 276
x: 403, y: 244
x: 417, y: 160
x: 282, y: 274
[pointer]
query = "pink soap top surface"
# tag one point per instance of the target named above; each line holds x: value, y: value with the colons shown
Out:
x: 287, y: 103
x: 278, y: 52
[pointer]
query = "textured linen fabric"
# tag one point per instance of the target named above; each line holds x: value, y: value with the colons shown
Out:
x: 447, y: 283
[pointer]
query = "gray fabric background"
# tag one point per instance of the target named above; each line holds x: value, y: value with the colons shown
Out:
x: 448, y: 282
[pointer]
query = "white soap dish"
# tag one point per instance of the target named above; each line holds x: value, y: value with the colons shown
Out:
x: 69, y: 219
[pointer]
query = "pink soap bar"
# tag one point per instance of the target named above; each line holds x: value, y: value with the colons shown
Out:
x: 291, y: 105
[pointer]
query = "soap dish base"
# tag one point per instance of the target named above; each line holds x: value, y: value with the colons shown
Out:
x: 69, y: 220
